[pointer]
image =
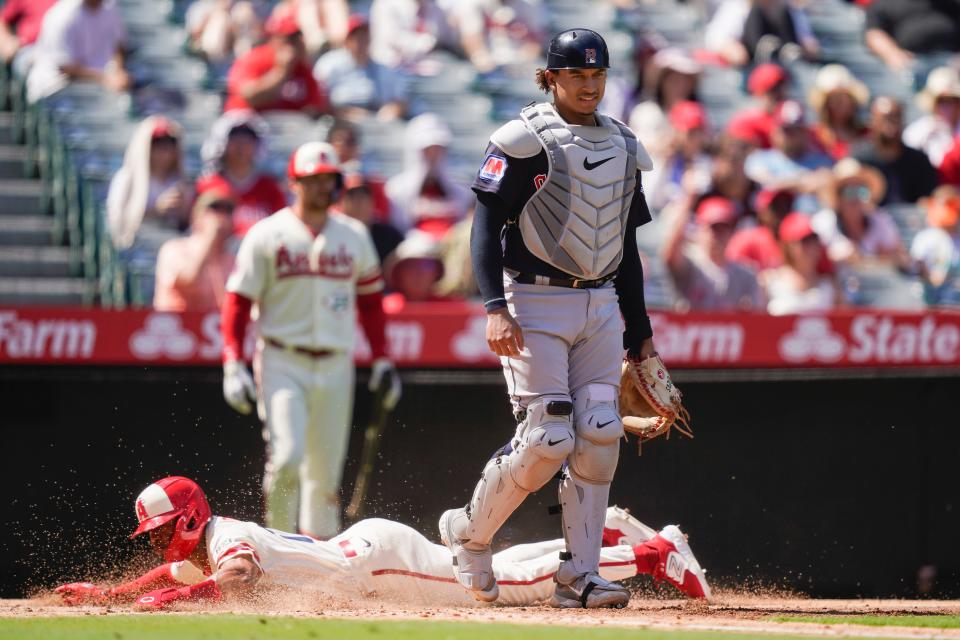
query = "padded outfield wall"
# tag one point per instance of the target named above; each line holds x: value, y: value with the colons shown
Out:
x: 832, y: 483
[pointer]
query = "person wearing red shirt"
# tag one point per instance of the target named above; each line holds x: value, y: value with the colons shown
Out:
x: 20, y: 22
x: 276, y: 75
x: 950, y: 166
x: 236, y: 143
x: 768, y: 84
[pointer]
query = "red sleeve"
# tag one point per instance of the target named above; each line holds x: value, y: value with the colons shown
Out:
x: 244, y: 68
x: 374, y: 321
x: 950, y: 166
x: 10, y: 12
x: 234, y: 317
x: 158, y: 578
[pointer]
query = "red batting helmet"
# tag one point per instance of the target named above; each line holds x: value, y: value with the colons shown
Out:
x: 174, y: 498
x: 312, y: 158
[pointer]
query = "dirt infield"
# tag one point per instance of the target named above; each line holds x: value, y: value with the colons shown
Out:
x: 729, y: 612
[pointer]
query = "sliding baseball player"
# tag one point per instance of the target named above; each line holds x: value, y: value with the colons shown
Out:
x: 209, y: 558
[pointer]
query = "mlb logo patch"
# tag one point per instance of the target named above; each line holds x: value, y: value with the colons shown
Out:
x: 493, y: 168
x: 591, y: 55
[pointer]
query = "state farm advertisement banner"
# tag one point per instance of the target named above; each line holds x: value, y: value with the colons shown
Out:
x: 452, y: 335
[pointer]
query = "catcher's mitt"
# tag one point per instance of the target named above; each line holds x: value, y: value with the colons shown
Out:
x: 650, y: 404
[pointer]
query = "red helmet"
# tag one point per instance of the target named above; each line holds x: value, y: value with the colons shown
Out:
x: 174, y: 498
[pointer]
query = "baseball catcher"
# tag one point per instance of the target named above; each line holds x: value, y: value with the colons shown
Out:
x: 559, y: 202
x: 211, y: 557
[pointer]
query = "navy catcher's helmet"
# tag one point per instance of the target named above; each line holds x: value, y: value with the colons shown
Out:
x: 578, y: 49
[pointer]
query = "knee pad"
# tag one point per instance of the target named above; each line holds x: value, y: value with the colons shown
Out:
x: 544, y: 440
x: 599, y: 429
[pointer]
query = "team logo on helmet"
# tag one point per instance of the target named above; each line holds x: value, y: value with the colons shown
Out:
x: 590, y: 55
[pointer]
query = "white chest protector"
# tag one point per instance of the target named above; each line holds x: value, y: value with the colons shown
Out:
x: 577, y: 220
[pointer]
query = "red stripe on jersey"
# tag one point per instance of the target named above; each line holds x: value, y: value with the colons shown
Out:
x: 347, y: 549
x: 410, y: 574
x: 316, y: 274
x: 370, y: 279
x: 237, y: 550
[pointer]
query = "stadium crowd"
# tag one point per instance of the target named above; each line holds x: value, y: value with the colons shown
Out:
x: 776, y: 205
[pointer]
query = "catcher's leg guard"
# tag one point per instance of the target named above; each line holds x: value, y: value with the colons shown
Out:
x: 585, y: 488
x: 544, y: 439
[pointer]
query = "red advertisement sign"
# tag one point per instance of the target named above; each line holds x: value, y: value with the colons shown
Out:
x: 452, y: 335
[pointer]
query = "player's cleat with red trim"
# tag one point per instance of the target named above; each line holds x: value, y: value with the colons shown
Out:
x: 620, y: 527
x: 473, y: 568
x: 586, y: 591
x: 677, y: 564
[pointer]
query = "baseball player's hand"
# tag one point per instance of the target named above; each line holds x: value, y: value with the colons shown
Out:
x: 161, y: 598
x: 238, y: 388
x: 504, y: 336
x: 76, y: 593
x: 383, y: 369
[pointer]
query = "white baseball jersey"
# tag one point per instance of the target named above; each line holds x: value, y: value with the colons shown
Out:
x: 305, y: 285
x: 381, y: 557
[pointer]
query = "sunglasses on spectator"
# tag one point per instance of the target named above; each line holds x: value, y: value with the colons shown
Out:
x: 721, y: 227
x: 165, y: 140
x: 222, y: 206
x: 855, y: 192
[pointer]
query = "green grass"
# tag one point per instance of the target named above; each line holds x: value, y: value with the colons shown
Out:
x: 233, y: 627
x: 932, y: 621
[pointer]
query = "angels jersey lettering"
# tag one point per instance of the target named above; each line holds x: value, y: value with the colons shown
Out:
x: 305, y: 285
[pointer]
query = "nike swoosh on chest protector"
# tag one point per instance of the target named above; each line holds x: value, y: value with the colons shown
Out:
x: 590, y: 166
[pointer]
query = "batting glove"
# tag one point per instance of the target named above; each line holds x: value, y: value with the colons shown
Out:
x: 238, y: 388
x: 160, y: 598
x: 383, y: 371
x: 77, y: 593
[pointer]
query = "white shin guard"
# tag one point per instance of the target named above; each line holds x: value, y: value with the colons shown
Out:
x: 585, y: 488
x: 543, y: 441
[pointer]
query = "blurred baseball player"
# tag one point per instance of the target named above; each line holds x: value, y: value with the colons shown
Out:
x: 309, y: 271
x: 209, y: 557
x: 554, y: 250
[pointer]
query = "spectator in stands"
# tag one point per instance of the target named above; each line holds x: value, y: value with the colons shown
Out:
x: 950, y: 165
x: 768, y: 85
x: 357, y: 202
x: 799, y: 285
x: 495, y: 33
x: 908, y: 172
x: 671, y: 78
x: 934, y: 133
x: 412, y: 272
x: 79, y: 41
x: 793, y: 162
x: 758, y: 246
x: 728, y: 176
x: 358, y: 86
x: 345, y: 139
x: 686, y: 166
x: 936, y: 249
x: 724, y: 32
x: 323, y: 22
x: 898, y: 29
x: 192, y: 271
x: 779, y: 29
x: 458, y: 280
x: 402, y: 32
x: 851, y: 227
x: 149, y: 193
x: 231, y: 154
x: 20, y: 22
x: 424, y: 196
x: 276, y: 75
x: 222, y: 29
x: 836, y: 98
x: 701, y: 271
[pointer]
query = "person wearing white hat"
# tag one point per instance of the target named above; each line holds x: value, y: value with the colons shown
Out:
x: 837, y: 97
x: 424, y: 196
x: 311, y: 272
x: 933, y: 133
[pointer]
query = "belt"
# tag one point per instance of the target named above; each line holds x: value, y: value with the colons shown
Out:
x: 313, y: 353
x: 570, y: 283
